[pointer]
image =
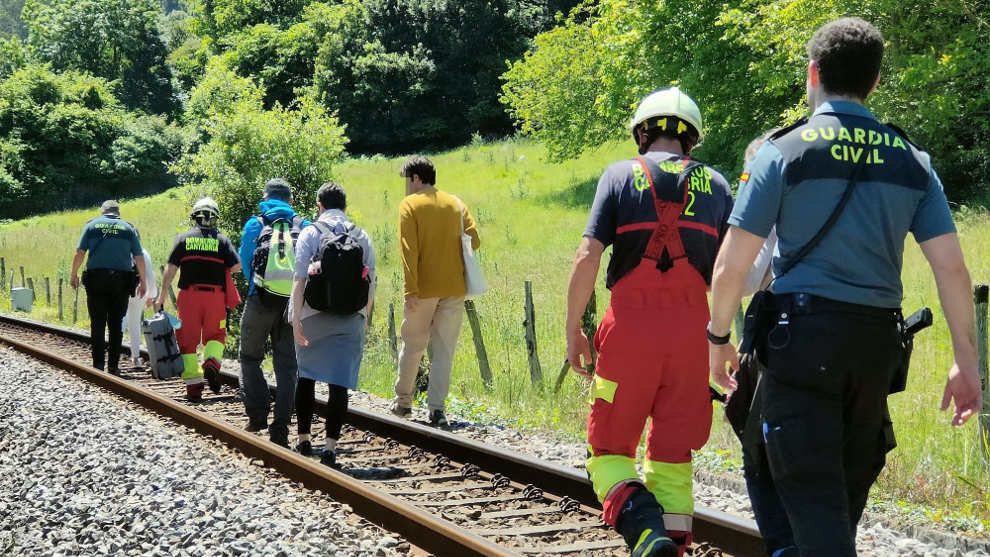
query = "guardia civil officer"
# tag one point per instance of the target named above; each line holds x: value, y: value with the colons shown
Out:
x: 664, y: 216
x: 834, y: 348
x: 114, y: 250
x: 206, y: 259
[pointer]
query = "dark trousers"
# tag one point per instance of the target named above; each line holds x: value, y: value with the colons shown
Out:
x: 825, y: 423
x: 106, y: 300
x: 263, y: 320
x: 306, y: 402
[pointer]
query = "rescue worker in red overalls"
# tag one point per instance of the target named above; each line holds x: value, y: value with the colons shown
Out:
x: 206, y: 259
x: 664, y: 216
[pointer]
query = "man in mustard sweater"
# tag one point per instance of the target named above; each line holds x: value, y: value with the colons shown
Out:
x: 430, y: 224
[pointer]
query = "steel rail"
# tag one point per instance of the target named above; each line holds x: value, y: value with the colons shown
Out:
x: 734, y: 535
x: 420, y: 528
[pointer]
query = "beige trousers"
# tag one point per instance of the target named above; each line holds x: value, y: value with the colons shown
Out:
x: 438, y: 319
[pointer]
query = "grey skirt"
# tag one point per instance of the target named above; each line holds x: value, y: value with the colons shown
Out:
x: 336, y: 345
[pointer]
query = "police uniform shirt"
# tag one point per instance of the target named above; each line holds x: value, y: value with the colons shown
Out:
x: 111, y: 243
x: 797, y: 179
x: 203, y: 256
x: 623, y: 214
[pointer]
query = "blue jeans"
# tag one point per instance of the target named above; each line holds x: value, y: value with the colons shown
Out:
x: 264, y: 319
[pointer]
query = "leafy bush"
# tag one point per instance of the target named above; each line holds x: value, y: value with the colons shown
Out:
x: 248, y: 145
x: 68, y: 140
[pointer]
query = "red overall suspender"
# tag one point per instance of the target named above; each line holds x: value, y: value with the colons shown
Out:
x: 665, y: 244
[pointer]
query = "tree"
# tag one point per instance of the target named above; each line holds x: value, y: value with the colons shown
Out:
x: 114, y: 39
x: 744, y: 63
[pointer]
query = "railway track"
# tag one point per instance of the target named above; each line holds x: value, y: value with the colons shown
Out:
x: 444, y: 493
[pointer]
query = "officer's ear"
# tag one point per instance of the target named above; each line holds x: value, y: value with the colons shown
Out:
x: 876, y: 83
x: 813, y: 78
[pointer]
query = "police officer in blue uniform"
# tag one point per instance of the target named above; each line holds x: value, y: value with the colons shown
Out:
x: 114, y: 250
x: 833, y: 346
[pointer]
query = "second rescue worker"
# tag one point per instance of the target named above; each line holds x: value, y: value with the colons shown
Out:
x: 664, y: 216
x: 204, y: 256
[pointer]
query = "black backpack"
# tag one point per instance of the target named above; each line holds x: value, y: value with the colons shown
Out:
x: 342, y: 284
x: 259, y: 259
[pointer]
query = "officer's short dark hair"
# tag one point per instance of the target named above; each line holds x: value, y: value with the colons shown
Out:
x: 848, y: 52
x: 332, y: 196
x: 278, y: 188
x: 420, y: 166
x: 110, y: 207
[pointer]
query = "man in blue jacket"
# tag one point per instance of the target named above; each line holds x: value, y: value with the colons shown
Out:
x: 264, y: 311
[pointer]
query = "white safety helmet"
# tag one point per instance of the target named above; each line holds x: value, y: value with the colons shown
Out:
x: 667, y: 102
x: 206, y: 212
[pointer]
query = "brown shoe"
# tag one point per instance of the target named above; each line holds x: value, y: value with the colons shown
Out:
x: 194, y: 392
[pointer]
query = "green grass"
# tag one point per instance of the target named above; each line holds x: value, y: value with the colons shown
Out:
x: 531, y: 215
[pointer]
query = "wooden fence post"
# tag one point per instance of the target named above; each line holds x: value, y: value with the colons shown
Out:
x: 48, y: 292
x: 980, y: 293
x: 60, y: 314
x: 10, y: 285
x: 34, y: 295
x: 479, y: 344
x: 588, y: 325
x: 23, y: 282
x: 535, y: 372
x: 393, y: 344
x: 75, y: 307
x: 3, y: 273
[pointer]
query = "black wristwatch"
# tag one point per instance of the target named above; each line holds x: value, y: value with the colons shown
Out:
x: 714, y: 339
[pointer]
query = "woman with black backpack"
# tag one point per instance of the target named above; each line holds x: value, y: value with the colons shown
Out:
x: 332, y: 293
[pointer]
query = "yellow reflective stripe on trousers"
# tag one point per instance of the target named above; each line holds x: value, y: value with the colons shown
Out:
x: 608, y: 470
x: 671, y: 484
x: 602, y: 388
x: 213, y: 349
x: 190, y: 368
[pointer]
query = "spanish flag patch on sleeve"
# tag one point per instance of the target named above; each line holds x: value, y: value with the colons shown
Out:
x: 744, y: 178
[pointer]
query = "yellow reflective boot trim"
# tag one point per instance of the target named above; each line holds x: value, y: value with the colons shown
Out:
x: 602, y: 388
x: 213, y: 349
x: 671, y: 484
x: 608, y: 470
x: 642, y: 538
x: 190, y: 367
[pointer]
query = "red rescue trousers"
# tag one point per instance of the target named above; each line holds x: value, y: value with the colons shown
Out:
x: 203, y: 313
x: 652, y: 363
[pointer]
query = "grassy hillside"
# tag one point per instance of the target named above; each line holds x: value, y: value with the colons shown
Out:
x: 531, y: 215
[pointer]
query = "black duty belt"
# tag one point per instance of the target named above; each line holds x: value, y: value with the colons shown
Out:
x: 800, y: 303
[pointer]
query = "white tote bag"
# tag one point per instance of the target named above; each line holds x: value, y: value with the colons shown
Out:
x: 474, y: 278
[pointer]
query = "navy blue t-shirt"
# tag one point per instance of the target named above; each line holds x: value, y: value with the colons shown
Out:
x: 111, y: 242
x: 796, y: 180
x: 623, y: 214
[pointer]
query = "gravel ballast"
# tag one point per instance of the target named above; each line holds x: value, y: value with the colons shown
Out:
x: 83, y: 472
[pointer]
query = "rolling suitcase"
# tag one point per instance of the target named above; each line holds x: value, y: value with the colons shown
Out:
x: 163, y: 349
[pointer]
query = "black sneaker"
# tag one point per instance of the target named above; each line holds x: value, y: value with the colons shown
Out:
x: 115, y: 372
x: 640, y: 522
x: 253, y: 425
x: 438, y: 419
x: 212, y: 376
x: 305, y: 448
x: 280, y: 438
x: 328, y: 458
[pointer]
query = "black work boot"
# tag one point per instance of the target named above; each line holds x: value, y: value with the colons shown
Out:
x: 641, y: 524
